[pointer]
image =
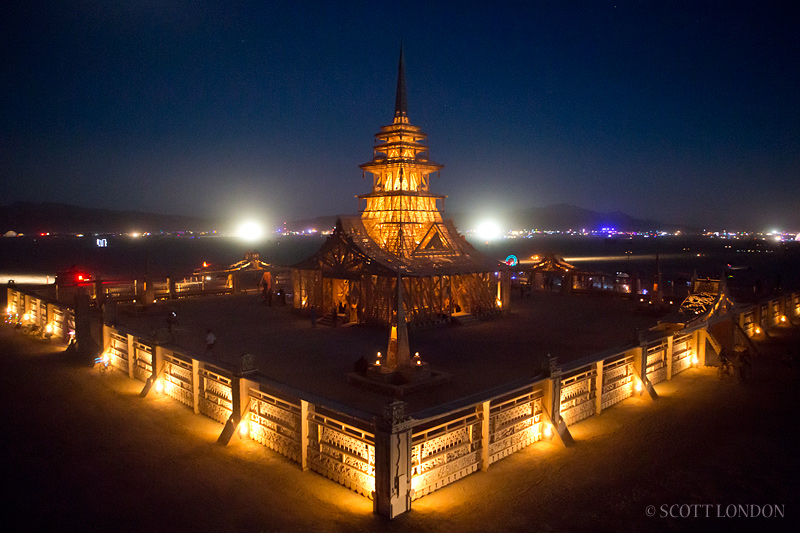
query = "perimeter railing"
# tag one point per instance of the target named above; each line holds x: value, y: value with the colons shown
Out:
x: 394, y: 458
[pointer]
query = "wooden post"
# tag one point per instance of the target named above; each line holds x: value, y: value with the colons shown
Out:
x: 392, y: 462
x: 701, y: 347
x: 131, y: 354
x: 670, y: 341
x: 486, y: 415
x: 196, y: 386
x: 106, y: 337
x: 305, y: 407
x: 598, y: 399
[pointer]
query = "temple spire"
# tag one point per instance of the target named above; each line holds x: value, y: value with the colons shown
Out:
x: 400, y: 104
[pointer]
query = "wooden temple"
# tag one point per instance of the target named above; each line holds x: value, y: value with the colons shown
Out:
x: 400, y: 231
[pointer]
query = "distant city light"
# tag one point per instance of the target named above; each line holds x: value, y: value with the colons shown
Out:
x: 250, y: 231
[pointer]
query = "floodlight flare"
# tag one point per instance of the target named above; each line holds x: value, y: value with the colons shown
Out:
x: 250, y: 231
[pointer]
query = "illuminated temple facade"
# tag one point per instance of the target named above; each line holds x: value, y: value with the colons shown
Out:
x: 400, y: 231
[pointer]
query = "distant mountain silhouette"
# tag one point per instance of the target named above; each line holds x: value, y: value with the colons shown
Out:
x: 29, y: 217
x: 565, y: 217
x: 562, y: 217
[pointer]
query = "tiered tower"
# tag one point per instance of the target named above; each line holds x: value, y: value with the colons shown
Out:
x: 400, y: 252
x: 401, y: 210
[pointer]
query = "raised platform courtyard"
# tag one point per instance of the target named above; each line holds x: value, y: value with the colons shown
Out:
x: 495, y: 353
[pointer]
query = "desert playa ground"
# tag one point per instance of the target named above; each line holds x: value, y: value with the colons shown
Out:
x: 81, y: 450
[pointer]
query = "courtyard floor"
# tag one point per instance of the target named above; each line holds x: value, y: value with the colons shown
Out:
x: 494, y: 353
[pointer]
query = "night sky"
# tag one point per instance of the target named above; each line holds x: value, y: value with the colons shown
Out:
x: 685, y: 112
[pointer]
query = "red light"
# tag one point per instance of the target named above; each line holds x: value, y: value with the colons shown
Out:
x: 80, y: 277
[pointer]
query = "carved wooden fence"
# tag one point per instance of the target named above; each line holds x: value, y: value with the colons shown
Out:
x: 657, y: 362
x: 618, y: 376
x: 445, y: 452
x: 142, y: 361
x: 514, y: 423
x: 578, y: 394
x: 342, y: 452
x: 276, y: 424
x: 748, y: 322
x: 682, y: 350
x: 178, y: 382
x: 117, y: 351
x: 216, y: 395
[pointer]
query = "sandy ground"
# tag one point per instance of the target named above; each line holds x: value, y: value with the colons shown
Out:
x: 82, y: 451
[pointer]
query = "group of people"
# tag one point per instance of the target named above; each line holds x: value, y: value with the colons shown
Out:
x: 266, y: 295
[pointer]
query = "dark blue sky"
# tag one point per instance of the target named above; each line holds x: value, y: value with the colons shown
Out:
x: 685, y: 112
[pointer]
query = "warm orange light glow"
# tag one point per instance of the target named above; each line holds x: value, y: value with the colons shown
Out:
x: 638, y: 386
x: 26, y: 317
x: 694, y: 360
x: 783, y: 319
x: 243, y: 429
x: 758, y: 331
x: 159, y: 386
x: 548, y: 431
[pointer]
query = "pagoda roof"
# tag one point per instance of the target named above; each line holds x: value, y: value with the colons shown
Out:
x: 402, y: 193
x: 351, y: 239
x: 385, y: 162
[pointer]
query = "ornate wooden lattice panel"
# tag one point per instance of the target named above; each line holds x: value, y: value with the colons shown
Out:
x: 42, y: 314
x: 617, y: 381
x: 774, y: 313
x: 216, y: 395
x: 749, y: 323
x: 276, y: 424
x: 142, y: 361
x: 445, y: 453
x: 514, y: 424
x: 657, y: 363
x: 14, y: 305
x: 577, y: 395
x: 37, y: 315
x: 118, y: 351
x: 60, y: 328
x: 681, y: 352
x: 342, y: 452
x: 178, y: 379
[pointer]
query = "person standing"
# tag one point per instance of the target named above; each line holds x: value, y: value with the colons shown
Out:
x: 211, y: 340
